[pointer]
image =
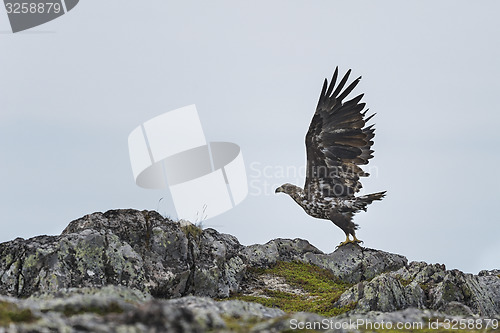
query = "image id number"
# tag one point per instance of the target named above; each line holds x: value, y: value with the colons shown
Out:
x: 32, y: 8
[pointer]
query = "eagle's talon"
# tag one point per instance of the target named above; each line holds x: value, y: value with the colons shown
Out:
x: 357, y: 241
x: 348, y: 240
x: 343, y: 243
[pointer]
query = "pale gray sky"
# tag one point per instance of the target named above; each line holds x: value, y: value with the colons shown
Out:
x: 73, y: 89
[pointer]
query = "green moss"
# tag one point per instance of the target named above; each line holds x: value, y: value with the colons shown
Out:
x: 30, y: 260
x: 238, y: 325
x: 8, y: 259
x: 191, y: 230
x: 88, y: 251
x: 10, y: 313
x: 450, y: 291
x: 425, y: 287
x: 321, y: 289
x: 404, y: 282
x: 110, y: 308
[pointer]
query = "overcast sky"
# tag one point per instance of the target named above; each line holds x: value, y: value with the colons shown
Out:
x: 73, y: 89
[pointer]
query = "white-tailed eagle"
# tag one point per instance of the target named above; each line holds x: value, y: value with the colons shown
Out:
x: 337, y: 143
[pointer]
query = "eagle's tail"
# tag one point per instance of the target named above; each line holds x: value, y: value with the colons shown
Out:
x: 363, y: 201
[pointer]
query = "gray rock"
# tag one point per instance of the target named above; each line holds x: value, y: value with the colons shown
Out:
x: 353, y: 263
x: 464, y: 288
x: 491, y: 281
x: 115, y: 309
x: 411, y: 319
x: 426, y: 286
x: 300, y: 321
x: 384, y: 293
x: 140, y: 250
x: 350, y: 263
x: 493, y: 272
x: 268, y: 254
x: 217, y: 265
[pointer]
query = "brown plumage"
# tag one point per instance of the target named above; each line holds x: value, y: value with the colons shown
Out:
x: 337, y: 143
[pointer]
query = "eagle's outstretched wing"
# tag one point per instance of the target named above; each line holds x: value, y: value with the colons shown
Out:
x: 337, y: 141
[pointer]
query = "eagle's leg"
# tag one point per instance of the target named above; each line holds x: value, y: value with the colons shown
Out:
x: 347, y: 240
x: 344, y: 222
x: 355, y: 239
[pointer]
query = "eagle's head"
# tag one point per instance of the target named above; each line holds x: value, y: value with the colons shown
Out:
x: 288, y: 189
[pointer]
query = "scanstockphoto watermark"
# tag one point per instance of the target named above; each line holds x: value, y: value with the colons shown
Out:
x: 432, y: 324
x: 264, y: 179
x: 330, y: 324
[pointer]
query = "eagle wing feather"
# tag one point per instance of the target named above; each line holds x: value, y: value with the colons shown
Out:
x: 337, y: 141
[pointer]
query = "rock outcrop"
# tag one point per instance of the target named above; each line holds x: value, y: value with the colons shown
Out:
x: 427, y: 286
x: 349, y: 263
x: 135, y: 249
x: 143, y: 250
x: 139, y: 271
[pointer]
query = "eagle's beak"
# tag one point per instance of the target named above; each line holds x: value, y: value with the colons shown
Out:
x: 279, y: 189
